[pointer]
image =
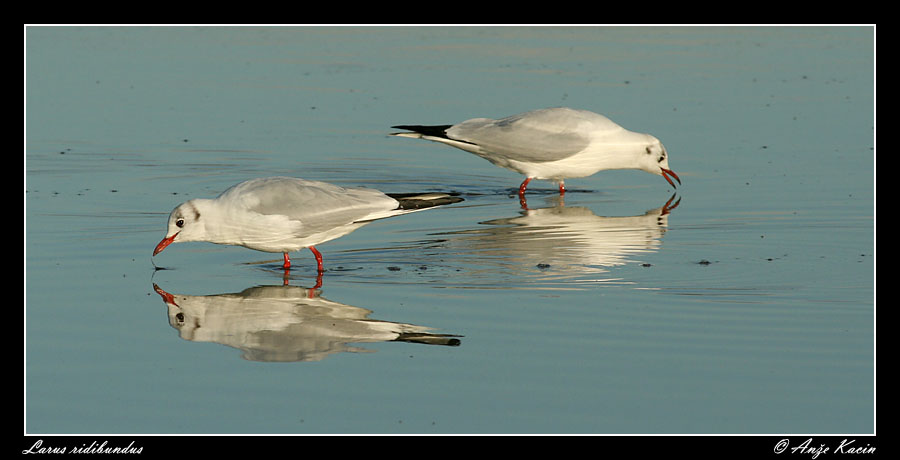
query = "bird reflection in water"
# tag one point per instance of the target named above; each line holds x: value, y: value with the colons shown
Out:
x: 286, y: 324
x: 562, y: 240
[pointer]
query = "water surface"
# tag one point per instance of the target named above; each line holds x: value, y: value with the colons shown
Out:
x: 747, y: 308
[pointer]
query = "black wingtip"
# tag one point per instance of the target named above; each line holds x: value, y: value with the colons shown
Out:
x: 422, y: 201
x: 433, y: 130
x: 448, y: 340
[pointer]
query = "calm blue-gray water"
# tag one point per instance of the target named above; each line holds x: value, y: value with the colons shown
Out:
x: 748, y: 308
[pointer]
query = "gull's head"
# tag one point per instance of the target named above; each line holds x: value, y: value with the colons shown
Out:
x: 655, y: 160
x: 185, y: 224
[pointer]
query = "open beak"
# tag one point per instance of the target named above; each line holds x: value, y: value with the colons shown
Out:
x: 665, y: 173
x: 168, y: 240
x: 667, y: 208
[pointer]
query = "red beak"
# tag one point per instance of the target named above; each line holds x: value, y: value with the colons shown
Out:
x: 167, y: 241
x: 668, y: 172
x: 667, y: 209
x: 167, y: 298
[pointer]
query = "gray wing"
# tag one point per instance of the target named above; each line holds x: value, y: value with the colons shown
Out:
x: 319, y: 206
x: 539, y: 135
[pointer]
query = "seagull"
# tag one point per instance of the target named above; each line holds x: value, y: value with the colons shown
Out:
x: 282, y: 323
x: 551, y: 144
x: 285, y: 214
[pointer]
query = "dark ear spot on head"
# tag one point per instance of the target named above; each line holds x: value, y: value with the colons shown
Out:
x: 195, y: 211
x: 647, y: 149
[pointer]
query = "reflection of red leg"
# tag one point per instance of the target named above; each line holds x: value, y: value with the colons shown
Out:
x: 287, y: 269
x: 318, y: 258
x: 313, y: 292
x: 318, y: 281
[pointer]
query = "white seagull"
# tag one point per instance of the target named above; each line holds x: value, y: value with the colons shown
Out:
x: 284, y: 214
x: 552, y: 144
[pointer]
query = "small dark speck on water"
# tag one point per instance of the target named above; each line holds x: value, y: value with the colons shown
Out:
x: 113, y: 190
x: 543, y: 266
x: 704, y: 262
x: 394, y: 269
x: 646, y: 265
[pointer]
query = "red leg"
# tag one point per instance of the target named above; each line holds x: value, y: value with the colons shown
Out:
x: 523, y: 186
x: 287, y: 261
x: 522, y: 201
x: 562, y: 188
x: 318, y: 258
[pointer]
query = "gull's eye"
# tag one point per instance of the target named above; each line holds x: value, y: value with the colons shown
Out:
x: 179, y: 223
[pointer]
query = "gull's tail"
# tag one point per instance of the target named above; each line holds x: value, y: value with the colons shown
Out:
x: 414, y: 201
x: 436, y: 133
x: 420, y: 131
x: 430, y: 339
